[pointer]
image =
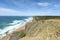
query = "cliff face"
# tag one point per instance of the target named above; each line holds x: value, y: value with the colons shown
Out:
x: 43, y: 28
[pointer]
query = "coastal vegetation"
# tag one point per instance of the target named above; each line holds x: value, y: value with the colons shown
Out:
x: 45, y: 17
x: 21, y: 33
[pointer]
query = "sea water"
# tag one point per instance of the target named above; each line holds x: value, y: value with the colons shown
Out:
x: 9, y: 24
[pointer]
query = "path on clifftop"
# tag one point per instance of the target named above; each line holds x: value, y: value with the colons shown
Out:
x: 14, y: 37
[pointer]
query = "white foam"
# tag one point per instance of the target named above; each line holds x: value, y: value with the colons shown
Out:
x: 13, y: 26
x: 14, y: 22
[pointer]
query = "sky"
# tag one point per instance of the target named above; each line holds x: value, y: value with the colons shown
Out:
x: 29, y: 7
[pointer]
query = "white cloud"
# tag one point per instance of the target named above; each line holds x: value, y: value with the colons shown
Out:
x: 43, y: 3
x: 10, y: 12
x: 57, y: 5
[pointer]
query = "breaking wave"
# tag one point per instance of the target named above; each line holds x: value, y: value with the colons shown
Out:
x: 13, y: 26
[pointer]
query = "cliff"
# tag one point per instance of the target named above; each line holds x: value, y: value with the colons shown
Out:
x: 43, y: 28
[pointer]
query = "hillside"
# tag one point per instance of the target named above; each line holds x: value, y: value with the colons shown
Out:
x: 43, y: 28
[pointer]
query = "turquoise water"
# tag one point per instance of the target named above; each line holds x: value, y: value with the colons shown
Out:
x: 5, y: 20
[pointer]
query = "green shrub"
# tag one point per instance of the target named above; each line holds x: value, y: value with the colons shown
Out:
x: 20, y: 33
x: 37, y: 18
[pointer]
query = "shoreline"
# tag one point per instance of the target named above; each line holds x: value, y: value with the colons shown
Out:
x: 23, y: 27
x: 7, y: 37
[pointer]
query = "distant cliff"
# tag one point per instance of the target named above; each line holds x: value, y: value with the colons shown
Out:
x: 43, y: 28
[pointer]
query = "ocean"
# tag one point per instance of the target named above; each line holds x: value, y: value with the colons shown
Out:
x: 9, y: 24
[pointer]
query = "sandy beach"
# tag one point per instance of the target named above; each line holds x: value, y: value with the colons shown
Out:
x: 8, y: 36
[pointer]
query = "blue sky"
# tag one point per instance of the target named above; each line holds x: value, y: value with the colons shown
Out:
x: 29, y: 7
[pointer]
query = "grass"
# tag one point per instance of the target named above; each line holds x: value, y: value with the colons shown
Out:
x: 20, y: 33
x: 48, y: 28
